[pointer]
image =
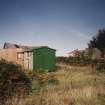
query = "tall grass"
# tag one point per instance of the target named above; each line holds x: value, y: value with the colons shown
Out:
x: 67, y: 86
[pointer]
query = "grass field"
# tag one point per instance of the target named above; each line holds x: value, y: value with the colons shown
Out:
x: 68, y: 85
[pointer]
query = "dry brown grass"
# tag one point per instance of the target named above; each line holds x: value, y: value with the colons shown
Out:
x: 77, y: 86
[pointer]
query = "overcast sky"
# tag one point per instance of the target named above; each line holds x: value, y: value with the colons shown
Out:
x: 61, y: 24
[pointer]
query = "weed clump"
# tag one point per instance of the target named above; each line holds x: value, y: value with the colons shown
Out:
x: 101, y: 66
x: 13, y: 81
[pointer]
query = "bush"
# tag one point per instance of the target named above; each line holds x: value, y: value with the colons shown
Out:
x: 12, y: 80
x: 53, y: 81
x: 80, y: 60
x: 100, y: 66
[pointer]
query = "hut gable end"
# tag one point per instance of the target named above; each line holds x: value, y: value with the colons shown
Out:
x: 9, y: 45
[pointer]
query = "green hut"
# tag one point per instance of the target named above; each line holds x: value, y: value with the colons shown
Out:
x: 43, y: 58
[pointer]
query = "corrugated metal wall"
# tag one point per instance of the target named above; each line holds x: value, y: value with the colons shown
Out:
x: 44, y: 58
x: 28, y: 60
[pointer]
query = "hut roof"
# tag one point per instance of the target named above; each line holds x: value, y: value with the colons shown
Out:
x: 26, y: 48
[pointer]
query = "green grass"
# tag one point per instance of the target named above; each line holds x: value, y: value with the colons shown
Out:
x: 68, y: 85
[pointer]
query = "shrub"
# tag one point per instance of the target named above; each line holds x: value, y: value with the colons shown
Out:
x: 53, y: 81
x: 80, y: 60
x: 12, y: 80
x: 100, y: 66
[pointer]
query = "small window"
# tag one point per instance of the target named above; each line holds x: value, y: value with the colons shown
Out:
x: 19, y: 55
